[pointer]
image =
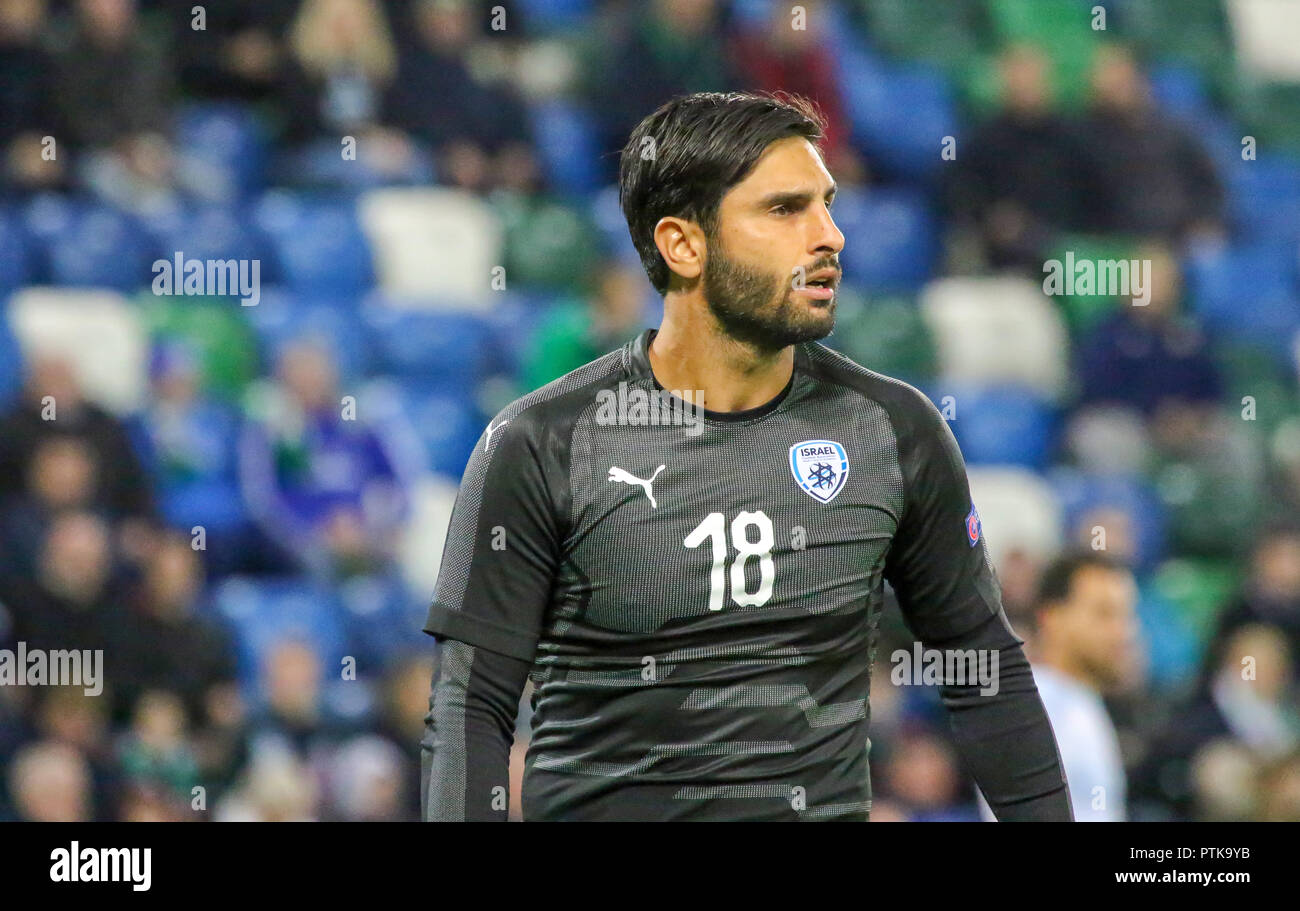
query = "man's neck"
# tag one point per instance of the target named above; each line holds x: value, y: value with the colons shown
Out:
x: 693, y: 353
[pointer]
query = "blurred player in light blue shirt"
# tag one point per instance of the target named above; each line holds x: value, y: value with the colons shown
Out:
x: 1085, y: 644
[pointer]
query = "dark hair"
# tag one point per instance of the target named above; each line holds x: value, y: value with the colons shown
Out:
x: 1056, y: 579
x: 682, y: 159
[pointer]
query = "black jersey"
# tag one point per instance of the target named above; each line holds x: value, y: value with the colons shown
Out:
x: 697, y: 601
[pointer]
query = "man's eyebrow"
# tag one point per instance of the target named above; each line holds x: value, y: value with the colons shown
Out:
x: 792, y: 197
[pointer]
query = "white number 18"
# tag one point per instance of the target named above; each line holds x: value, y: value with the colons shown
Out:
x: 714, y: 528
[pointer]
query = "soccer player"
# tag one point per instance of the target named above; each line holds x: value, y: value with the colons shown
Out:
x: 1085, y: 644
x: 696, y: 600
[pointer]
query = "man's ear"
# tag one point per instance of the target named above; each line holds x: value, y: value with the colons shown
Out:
x: 682, y: 244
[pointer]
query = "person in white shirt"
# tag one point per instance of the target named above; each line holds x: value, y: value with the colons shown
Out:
x: 1084, y: 644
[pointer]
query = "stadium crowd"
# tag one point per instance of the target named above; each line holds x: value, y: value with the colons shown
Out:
x: 242, y: 503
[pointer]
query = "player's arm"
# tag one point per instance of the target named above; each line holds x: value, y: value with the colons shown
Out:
x: 939, y: 570
x: 494, y: 586
x: 468, y: 733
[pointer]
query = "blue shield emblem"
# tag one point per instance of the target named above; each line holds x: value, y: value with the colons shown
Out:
x: 820, y: 468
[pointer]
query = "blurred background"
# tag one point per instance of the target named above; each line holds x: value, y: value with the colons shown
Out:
x: 244, y: 506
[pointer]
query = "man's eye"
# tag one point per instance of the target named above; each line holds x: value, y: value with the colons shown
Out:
x: 781, y: 210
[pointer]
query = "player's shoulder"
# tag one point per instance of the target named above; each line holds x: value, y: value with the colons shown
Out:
x: 909, y: 408
x: 561, y: 401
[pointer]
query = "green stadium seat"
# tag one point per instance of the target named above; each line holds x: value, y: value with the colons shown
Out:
x: 1200, y: 589
x: 1062, y: 28
x: 1213, y: 511
x: 547, y: 244
x: 940, y: 32
x: 884, y: 334
x: 215, y: 330
x: 1083, y: 311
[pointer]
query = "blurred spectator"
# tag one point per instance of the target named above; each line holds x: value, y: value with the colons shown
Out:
x: 273, y: 788
x: 401, y: 721
x: 575, y: 334
x: 243, y: 56
x: 172, y: 647
x: 73, y: 600
x: 1154, y: 358
x: 472, y: 125
x: 53, y: 407
x: 189, y: 443
x: 155, y: 753
x: 650, y: 54
x: 1244, y: 714
x: 295, y: 718
x: 50, y: 782
x: 26, y: 102
x: 61, y: 477
x: 1021, y: 177
x: 1085, y: 646
x: 921, y: 774
x: 113, y: 94
x: 317, y: 475
x: 366, y: 781
x: 781, y: 58
x: 1159, y: 180
x: 1271, y: 594
x: 68, y: 715
x: 343, y: 60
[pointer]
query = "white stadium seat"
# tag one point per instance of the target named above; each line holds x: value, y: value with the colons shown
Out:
x: 1018, y: 511
x: 96, y: 330
x: 997, y: 330
x: 432, y: 245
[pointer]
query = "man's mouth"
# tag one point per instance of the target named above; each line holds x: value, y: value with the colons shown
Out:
x: 819, y: 289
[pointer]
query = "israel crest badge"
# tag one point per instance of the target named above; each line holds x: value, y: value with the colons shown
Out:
x: 820, y: 468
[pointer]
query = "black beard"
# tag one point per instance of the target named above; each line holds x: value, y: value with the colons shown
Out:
x: 741, y: 300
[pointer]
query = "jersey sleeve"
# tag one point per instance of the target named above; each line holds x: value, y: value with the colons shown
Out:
x: 938, y: 565
x: 943, y: 579
x: 468, y: 733
x: 503, y: 543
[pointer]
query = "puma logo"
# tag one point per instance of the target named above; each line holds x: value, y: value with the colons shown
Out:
x: 618, y: 474
x: 491, y: 430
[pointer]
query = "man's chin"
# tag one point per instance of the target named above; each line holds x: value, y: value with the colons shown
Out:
x: 816, y: 319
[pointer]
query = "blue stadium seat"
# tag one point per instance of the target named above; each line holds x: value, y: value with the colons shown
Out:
x: 1005, y: 425
x: 16, y: 267
x: 381, y: 619
x: 265, y: 612
x: 447, y: 349
x: 223, y: 148
x: 282, y: 317
x: 900, y: 114
x: 318, y: 243
x: 890, y: 238
x: 555, y: 15
x: 320, y: 164
x: 85, y: 244
x: 1081, y: 493
x: 448, y: 424
x: 1248, y: 292
x: 1264, y: 198
x: 514, y: 321
x: 207, y: 232
x: 607, y: 216
x: 11, y: 366
x: 1170, y: 642
x: 565, y: 136
x: 1179, y: 91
